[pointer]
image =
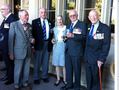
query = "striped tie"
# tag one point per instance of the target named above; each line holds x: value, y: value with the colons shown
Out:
x: 71, y: 28
x: 91, y: 31
x: 44, y: 30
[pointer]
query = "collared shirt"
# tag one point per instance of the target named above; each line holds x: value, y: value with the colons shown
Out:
x: 95, y: 27
x: 74, y: 23
x: 47, y: 27
x: 7, y: 16
x: 21, y: 21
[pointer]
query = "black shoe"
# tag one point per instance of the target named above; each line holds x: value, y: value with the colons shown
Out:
x: 57, y: 83
x: 17, y: 89
x: 36, y: 81
x: 64, y: 82
x: 46, y: 80
x: 4, y: 78
x: 9, y: 82
x: 28, y: 87
x: 66, y: 87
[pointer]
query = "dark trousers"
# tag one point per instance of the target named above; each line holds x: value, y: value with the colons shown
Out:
x: 92, y: 77
x: 9, y: 64
x: 41, y: 60
x: 73, y: 65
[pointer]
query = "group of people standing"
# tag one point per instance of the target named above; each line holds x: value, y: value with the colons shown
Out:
x: 70, y: 45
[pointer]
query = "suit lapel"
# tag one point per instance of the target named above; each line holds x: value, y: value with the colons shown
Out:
x: 39, y: 23
x: 77, y: 24
x: 21, y: 29
x: 99, y: 29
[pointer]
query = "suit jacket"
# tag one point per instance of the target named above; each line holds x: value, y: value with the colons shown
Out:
x: 19, y: 43
x: 4, y: 29
x: 97, y: 48
x: 38, y: 34
x: 74, y: 45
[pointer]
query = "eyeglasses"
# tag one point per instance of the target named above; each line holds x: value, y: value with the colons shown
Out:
x: 3, y: 9
x: 72, y: 15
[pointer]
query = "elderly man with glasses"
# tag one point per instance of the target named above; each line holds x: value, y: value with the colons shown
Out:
x: 76, y: 34
x: 4, y: 29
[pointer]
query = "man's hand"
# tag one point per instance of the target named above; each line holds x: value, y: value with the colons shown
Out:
x: 11, y: 56
x: 99, y: 63
x: 53, y: 41
x: 33, y: 41
x: 70, y: 35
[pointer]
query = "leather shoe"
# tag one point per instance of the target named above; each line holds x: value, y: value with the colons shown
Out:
x: 66, y: 87
x: 64, y: 82
x: 9, y: 82
x: 36, y: 81
x: 28, y: 87
x: 46, y: 80
x: 57, y: 83
x: 17, y: 89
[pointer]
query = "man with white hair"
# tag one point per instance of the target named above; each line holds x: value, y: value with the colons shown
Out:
x: 76, y: 35
x: 42, y: 34
x: 97, y: 49
x: 4, y: 29
x: 20, y: 40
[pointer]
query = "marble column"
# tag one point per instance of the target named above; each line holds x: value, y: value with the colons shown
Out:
x: 80, y: 5
x: 106, y: 11
x: 116, y: 7
x: 33, y: 9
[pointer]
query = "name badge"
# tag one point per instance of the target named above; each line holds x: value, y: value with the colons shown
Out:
x: 6, y: 25
x: 77, y: 31
x: 99, y: 36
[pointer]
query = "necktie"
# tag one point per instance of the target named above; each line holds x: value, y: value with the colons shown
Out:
x: 91, y: 31
x: 44, y: 30
x: 71, y: 28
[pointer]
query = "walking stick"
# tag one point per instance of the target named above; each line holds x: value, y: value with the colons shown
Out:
x: 100, y: 78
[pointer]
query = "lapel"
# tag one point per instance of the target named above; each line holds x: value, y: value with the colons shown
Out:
x: 77, y: 24
x: 21, y: 29
x: 39, y: 23
x: 99, y: 29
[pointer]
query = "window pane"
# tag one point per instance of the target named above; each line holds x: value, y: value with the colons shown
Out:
x: 91, y: 4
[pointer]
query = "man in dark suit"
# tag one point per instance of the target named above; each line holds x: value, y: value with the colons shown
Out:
x: 97, y: 49
x: 76, y: 34
x: 4, y: 29
x: 42, y: 34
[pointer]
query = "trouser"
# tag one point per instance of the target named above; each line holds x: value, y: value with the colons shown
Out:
x: 73, y: 65
x: 41, y: 59
x: 21, y: 71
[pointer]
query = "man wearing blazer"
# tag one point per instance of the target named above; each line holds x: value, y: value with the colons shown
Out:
x: 97, y: 49
x: 4, y: 29
x: 20, y: 40
x: 76, y: 34
x: 42, y: 34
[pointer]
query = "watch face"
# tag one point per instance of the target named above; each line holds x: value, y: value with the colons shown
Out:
x: 1, y: 37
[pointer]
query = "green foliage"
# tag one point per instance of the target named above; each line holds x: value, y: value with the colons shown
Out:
x: 98, y: 6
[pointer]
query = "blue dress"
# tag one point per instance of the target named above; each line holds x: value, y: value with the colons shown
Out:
x: 58, y: 58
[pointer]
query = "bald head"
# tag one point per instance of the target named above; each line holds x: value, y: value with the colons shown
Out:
x: 93, y: 16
